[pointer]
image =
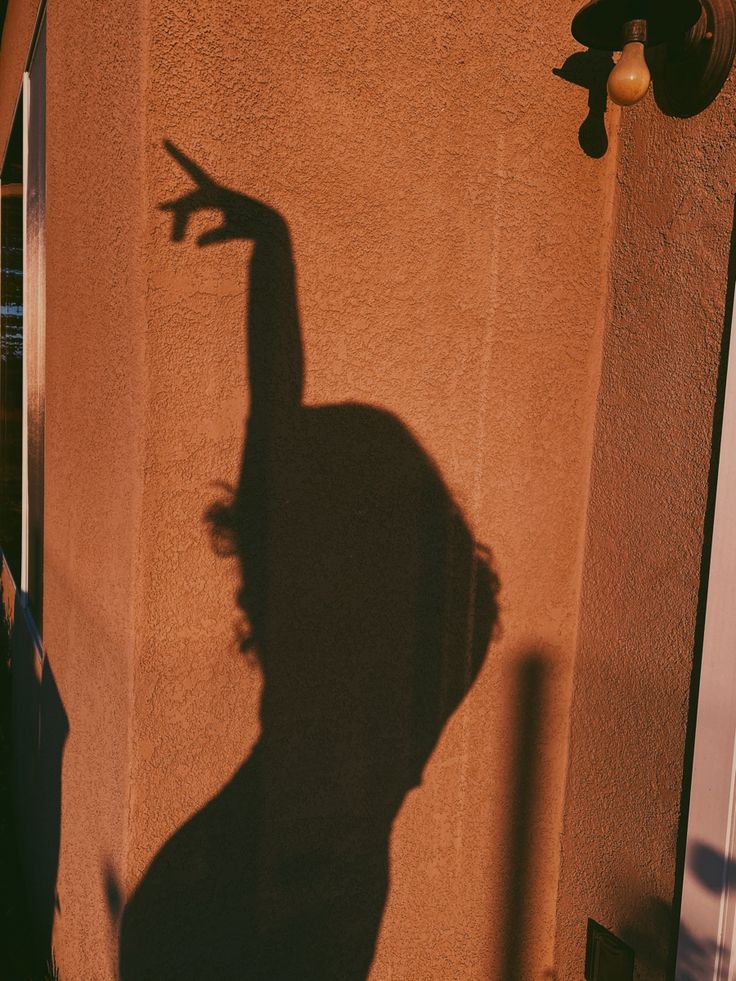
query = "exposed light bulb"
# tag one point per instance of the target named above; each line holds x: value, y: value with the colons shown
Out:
x: 629, y: 81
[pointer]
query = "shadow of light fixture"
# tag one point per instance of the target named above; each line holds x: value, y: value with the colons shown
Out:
x: 590, y: 70
x: 698, y: 39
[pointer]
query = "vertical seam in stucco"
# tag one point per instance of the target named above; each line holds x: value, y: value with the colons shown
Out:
x: 476, y: 500
x: 137, y: 605
x: 603, y: 318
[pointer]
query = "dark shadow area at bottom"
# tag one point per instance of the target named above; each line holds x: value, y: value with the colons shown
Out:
x: 34, y: 731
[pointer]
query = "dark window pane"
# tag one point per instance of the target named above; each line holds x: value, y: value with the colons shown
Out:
x: 11, y: 352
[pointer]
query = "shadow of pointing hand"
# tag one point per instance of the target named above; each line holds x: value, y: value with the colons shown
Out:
x: 242, y: 217
x: 590, y: 70
x: 275, y: 360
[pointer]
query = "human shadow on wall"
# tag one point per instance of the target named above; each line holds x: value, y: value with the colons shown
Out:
x: 370, y: 608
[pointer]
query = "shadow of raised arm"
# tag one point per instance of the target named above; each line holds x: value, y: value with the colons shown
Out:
x: 369, y: 606
x: 275, y: 359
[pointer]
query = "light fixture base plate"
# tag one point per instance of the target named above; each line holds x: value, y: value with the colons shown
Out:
x: 695, y: 69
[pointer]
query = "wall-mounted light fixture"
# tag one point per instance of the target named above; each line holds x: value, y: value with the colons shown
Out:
x: 698, y: 39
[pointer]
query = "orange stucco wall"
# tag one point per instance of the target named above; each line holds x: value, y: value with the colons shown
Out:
x: 94, y: 431
x: 451, y: 247
x: 649, y: 490
x: 94, y: 442
x: 450, y: 251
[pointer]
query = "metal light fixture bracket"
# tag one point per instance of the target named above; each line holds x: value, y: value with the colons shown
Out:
x: 697, y: 39
x: 697, y: 65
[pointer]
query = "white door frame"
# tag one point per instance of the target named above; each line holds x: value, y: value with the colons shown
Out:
x: 707, y: 943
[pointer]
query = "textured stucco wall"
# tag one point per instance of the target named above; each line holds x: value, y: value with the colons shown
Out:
x: 450, y: 244
x: 20, y: 20
x: 93, y: 469
x: 675, y: 193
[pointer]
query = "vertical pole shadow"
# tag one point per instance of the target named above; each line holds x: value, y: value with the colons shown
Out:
x: 530, y: 700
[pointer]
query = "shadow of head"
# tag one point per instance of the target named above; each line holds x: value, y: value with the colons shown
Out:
x: 590, y: 70
x: 364, y: 594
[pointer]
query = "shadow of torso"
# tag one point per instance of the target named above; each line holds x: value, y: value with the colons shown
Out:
x: 370, y: 609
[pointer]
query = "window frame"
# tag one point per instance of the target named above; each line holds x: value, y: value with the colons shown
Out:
x: 31, y: 104
x: 707, y: 924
